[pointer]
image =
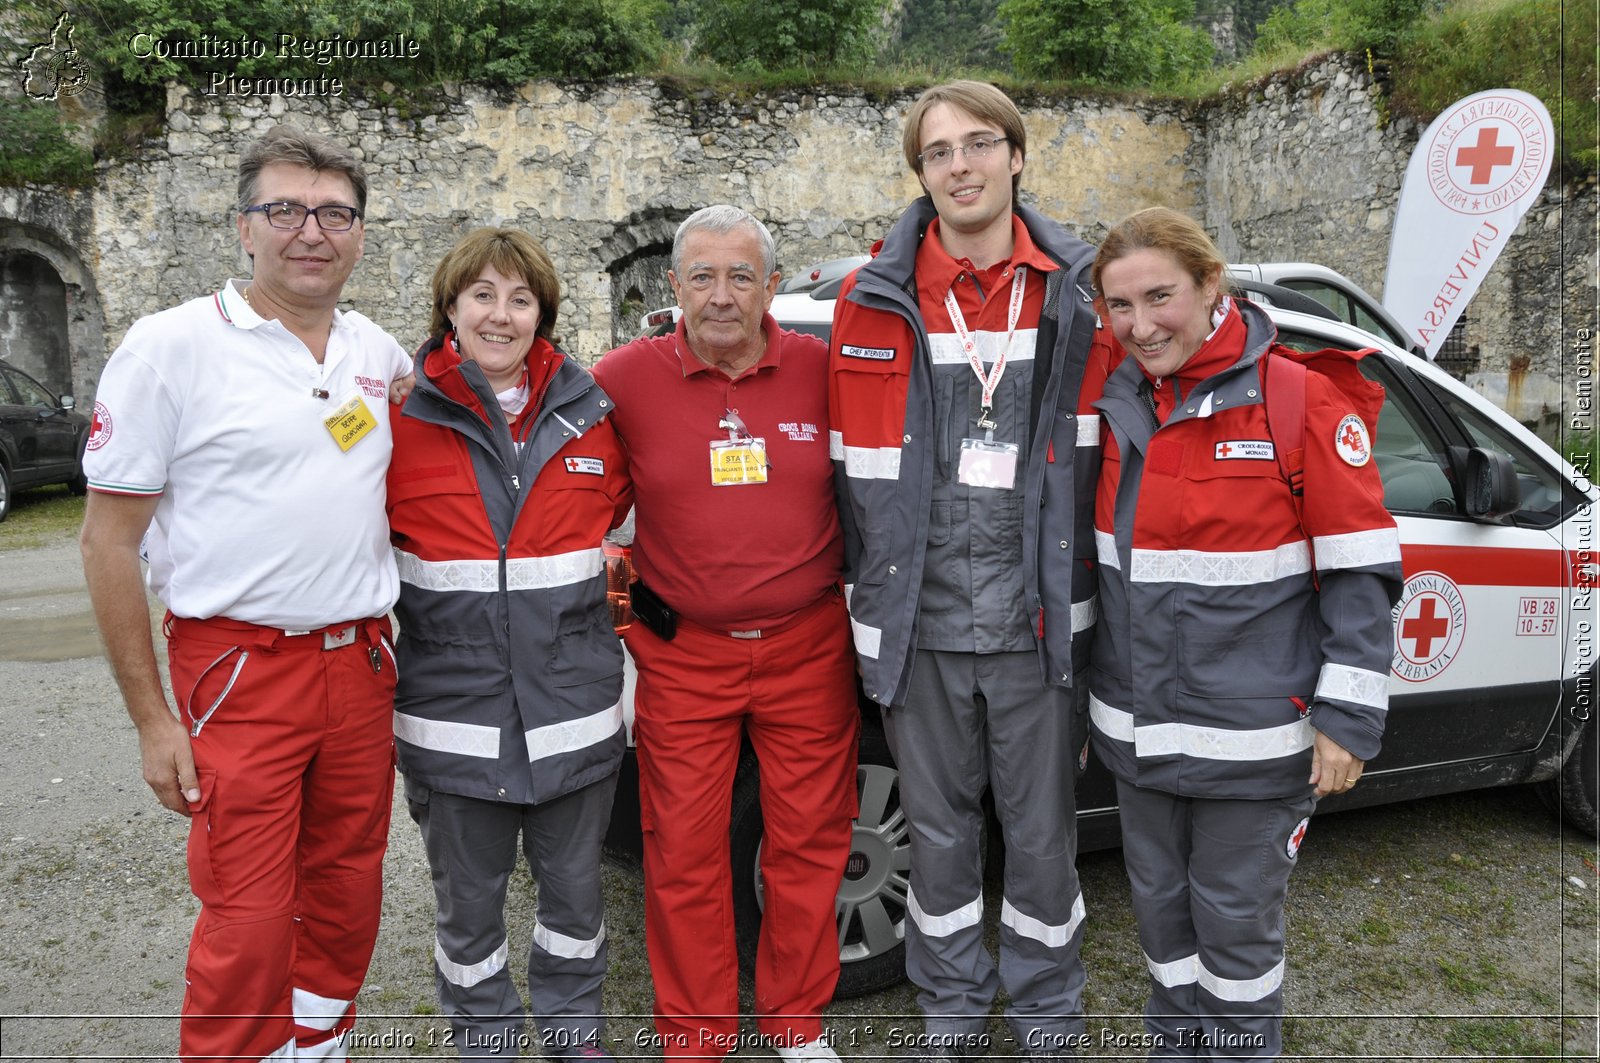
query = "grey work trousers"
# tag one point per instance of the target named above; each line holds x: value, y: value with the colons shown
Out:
x: 973, y: 721
x: 1209, y: 879
x: 472, y: 850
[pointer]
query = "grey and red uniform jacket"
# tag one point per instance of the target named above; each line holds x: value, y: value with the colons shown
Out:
x: 883, y: 443
x: 510, y: 670
x: 1217, y: 654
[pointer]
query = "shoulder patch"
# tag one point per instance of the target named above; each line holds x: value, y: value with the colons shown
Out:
x: 99, y: 428
x: 875, y: 354
x: 592, y: 466
x: 1352, y: 442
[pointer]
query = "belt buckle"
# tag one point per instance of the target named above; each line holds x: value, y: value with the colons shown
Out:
x: 746, y: 634
x: 333, y: 640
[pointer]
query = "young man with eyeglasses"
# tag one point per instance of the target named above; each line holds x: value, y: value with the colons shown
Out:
x: 962, y: 364
x: 243, y: 437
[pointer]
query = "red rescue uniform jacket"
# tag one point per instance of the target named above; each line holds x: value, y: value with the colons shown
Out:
x: 510, y: 671
x: 1217, y: 653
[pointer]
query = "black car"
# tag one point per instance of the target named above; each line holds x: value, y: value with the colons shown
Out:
x: 41, y: 437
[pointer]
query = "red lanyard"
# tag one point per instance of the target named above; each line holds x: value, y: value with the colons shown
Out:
x: 991, y: 380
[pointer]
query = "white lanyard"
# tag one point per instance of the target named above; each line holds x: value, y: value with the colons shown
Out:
x: 964, y: 336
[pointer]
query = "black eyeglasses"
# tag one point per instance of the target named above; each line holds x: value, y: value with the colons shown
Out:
x: 976, y: 148
x: 332, y: 217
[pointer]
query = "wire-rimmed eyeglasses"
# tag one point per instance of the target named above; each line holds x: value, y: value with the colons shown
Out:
x: 976, y: 148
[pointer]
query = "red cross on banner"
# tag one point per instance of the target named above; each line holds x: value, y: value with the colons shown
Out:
x: 1485, y: 155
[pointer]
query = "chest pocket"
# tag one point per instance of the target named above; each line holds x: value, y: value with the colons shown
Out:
x: 427, y: 484
x: 1222, y: 491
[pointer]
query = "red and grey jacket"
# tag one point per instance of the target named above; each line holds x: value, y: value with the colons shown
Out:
x: 1218, y: 657
x: 883, y: 443
x: 510, y: 671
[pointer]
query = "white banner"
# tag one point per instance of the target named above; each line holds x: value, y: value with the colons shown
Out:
x: 1475, y: 171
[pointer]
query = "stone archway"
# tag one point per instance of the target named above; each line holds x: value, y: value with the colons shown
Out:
x: 636, y: 257
x: 52, y: 325
x: 33, y: 319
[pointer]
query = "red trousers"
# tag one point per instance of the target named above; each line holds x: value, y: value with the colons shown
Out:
x: 294, y: 745
x: 793, y: 692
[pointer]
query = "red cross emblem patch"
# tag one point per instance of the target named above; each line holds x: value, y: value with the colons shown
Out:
x: 99, y: 428
x: 1297, y: 836
x: 1352, y: 442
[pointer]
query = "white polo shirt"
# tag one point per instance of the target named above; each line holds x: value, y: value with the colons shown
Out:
x: 262, y: 516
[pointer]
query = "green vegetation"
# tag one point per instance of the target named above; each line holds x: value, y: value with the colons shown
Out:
x: 1344, y: 25
x: 138, y: 45
x: 949, y: 36
x: 1499, y: 1038
x: 760, y: 35
x: 43, y: 516
x: 1118, y: 42
x: 39, y: 149
x: 1426, y: 53
x: 1543, y: 47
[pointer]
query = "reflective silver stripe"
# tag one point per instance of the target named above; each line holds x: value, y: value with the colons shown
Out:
x: 462, y: 739
x: 1085, y: 613
x: 1381, y: 546
x: 1241, y: 990
x: 945, y: 348
x: 1105, y: 549
x: 317, y: 1013
x: 569, y: 736
x: 567, y: 948
x: 483, y: 577
x: 1221, y: 569
x: 1340, y: 682
x: 1113, y: 723
x: 938, y: 926
x: 867, y: 638
x: 467, y: 975
x: 1046, y: 934
x: 1088, y: 430
x: 1174, y: 973
x: 865, y: 463
x: 1206, y: 743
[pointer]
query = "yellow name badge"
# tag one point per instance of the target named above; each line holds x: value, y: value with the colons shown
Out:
x: 733, y: 464
x: 351, y: 422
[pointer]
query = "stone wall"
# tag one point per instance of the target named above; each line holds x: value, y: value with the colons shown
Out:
x: 1301, y: 167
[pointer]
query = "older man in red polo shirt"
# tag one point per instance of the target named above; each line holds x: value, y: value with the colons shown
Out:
x: 742, y: 630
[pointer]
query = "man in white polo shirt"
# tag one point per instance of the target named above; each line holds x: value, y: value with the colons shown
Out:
x: 243, y: 437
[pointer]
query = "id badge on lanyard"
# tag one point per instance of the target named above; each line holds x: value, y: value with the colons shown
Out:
x: 988, y: 462
x: 741, y: 458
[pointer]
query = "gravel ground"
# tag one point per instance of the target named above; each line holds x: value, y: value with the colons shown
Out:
x: 1455, y: 928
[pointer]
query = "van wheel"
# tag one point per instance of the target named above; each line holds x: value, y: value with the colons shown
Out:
x: 871, y: 903
x: 1574, y: 794
x: 5, y: 492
